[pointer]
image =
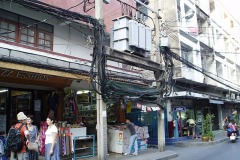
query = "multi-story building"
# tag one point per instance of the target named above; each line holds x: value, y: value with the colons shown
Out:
x: 205, y: 34
x: 43, y: 53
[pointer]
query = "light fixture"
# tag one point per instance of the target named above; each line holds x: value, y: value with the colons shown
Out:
x: 4, y: 90
x: 83, y: 91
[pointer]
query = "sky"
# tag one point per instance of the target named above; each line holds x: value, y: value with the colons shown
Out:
x: 233, y: 6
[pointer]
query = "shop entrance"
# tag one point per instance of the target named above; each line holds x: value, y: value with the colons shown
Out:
x: 20, y: 102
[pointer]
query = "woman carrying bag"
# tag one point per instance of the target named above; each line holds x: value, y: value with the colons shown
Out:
x: 32, y: 153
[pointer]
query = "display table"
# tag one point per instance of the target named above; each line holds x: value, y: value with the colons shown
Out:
x: 118, y: 141
x: 82, y: 145
x: 76, y: 132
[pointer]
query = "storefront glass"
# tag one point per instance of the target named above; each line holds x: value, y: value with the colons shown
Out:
x: 20, y: 102
x: 3, y: 106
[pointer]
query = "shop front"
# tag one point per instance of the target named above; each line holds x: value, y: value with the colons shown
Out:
x: 72, y: 100
x: 31, y: 90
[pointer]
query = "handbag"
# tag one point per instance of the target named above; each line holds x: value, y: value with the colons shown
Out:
x: 33, y: 146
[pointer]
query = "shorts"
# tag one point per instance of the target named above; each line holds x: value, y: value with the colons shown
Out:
x: 191, y: 127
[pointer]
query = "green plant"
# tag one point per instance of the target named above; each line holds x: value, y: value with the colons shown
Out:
x: 211, y: 134
x: 207, y: 124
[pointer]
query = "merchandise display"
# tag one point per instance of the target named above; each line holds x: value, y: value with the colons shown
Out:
x: 118, y: 139
x: 66, y: 135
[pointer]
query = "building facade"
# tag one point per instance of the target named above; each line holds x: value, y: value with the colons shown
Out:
x: 42, y: 54
x: 205, y: 34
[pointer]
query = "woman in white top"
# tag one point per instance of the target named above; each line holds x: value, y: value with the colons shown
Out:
x: 51, y: 141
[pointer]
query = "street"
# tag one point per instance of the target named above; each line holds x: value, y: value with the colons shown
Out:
x: 221, y: 151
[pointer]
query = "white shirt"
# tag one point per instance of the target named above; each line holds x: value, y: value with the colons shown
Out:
x: 49, y: 132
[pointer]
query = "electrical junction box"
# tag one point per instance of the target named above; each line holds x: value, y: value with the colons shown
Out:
x: 164, y: 41
x: 121, y: 22
x: 120, y: 34
x: 148, y: 39
x: 121, y: 45
x: 141, y: 36
x: 133, y: 33
x: 131, y: 36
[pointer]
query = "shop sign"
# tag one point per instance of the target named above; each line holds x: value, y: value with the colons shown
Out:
x: 180, y: 109
x: 23, y: 75
x: 215, y: 101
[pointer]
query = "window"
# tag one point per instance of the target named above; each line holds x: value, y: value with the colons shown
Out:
x: 238, y: 74
x: 27, y: 36
x: 44, y: 40
x: 25, y: 31
x: 187, y: 56
x: 212, y: 6
x: 8, y: 31
x: 219, y: 69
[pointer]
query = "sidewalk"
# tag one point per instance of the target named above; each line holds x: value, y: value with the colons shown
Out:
x: 154, y: 154
x: 148, y: 154
x: 219, y: 137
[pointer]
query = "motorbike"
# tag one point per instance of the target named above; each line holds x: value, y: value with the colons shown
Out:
x: 232, y: 134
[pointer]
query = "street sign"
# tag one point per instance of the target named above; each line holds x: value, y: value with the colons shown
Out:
x: 179, y: 109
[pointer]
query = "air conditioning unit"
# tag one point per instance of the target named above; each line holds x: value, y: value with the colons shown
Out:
x: 238, y: 98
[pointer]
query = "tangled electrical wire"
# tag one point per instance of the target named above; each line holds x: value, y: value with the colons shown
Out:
x: 168, y: 73
x: 105, y: 87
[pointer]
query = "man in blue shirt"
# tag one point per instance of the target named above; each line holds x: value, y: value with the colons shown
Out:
x: 133, y: 138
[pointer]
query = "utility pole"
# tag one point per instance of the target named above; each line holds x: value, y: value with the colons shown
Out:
x: 101, y: 106
x: 158, y: 77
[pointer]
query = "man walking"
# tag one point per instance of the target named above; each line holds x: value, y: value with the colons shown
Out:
x: 133, y: 138
x: 21, y: 155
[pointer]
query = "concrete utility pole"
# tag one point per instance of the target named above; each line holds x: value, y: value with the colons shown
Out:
x: 101, y: 106
x: 158, y: 77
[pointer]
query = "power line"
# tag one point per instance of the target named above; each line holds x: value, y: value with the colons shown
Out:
x: 166, y: 50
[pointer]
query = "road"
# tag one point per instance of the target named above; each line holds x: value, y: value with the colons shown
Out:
x: 221, y: 151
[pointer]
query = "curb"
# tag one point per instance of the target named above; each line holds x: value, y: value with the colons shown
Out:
x: 168, y: 157
x: 187, y: 144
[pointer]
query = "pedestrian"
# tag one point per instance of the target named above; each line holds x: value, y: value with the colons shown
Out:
x: 197, y: 131
x: 133, y: 138
x: 51, y: 141
x: 21, y: 117
x: 225, y: 123
x: 34, y: 138
x: 191, y: 127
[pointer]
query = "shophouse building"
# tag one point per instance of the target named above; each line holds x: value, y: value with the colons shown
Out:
x: 205, y: 34
x: 42, y: 54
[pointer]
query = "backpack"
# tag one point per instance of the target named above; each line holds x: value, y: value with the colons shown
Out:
x: 14, y: 141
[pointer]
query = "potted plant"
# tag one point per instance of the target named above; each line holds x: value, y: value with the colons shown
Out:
x: 207, y: 128
x: 211, y: 136
x: 205, y: 137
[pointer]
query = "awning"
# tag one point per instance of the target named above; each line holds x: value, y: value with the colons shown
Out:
x: 30, y: 69
x: 131, y: 89
x: 13, y: 73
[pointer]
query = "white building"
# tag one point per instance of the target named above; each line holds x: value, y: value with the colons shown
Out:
x: 205, y: 34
